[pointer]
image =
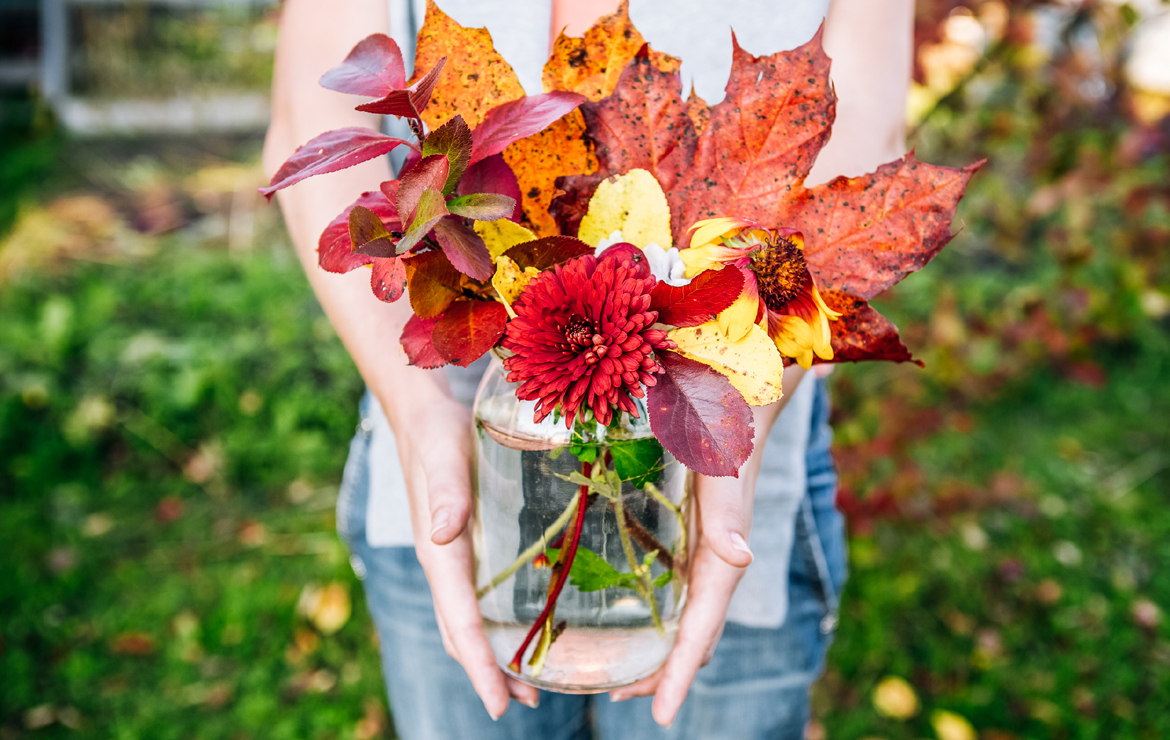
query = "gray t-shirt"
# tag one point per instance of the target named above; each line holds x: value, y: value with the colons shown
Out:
x: 700, y: 34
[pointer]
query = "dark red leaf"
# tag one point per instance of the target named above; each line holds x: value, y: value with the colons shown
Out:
x: 551, y: 250
x: 699, y: 417
x: 453, y: 139
x: 334, y: 249
x: 390, y: 190
x: 761, y: 140
x: 519, y: 119
x: 433, y: 283
x: 431, y: 173
x: 408, y: 103
x: 862, y: 333
x: 492, y: 175
x: 368, y: 234
x: 464, y: 248
x: 331, y: 151
x: 644, y: 124
x: 416, y: 342
x: 373, y: 68
x: 469, y: 329
x: 388, y: 279
x: 571, y: 205
x: 699, y: 301
x: 864, y: 234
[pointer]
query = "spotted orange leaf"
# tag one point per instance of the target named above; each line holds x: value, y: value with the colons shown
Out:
x: 476, y: 78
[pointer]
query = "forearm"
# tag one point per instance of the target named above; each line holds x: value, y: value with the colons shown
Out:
x: 871, y: 45
x: 368, y: 327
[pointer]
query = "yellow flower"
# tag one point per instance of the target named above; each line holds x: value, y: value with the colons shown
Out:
x: 779, y: 292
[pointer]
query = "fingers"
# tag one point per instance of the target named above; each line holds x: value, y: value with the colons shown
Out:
x: 447, y: 475
x: 722, y: 519
x: 448, y: 570
x: 523, y: 693
x: 712, y: 584
x: 646, y: 687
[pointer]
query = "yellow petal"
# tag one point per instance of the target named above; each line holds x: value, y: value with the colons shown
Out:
x: 737, y: 319
x: 509, y: 280
x: 753, y: 364
x: 502, y: 235
x: 793, y: 338
x: 709, y: 257
x: 632, y: 203
x: 711, y: 229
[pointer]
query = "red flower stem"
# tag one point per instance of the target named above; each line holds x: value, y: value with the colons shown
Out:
x: 582, y: 505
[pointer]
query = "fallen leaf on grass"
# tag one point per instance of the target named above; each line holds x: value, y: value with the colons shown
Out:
x: 895, y: 698
x: 132, y: 643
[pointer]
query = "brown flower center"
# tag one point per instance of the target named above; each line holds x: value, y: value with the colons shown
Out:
x: 781, y: 272
x: 579, y: 332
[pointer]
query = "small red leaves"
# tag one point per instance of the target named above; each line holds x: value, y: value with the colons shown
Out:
x: 464, y: 248
x: 644, y: 124
x: 700, y: 301
x: 544, y: 253
x: 572, y: 202
x: 699, y: 417
x: 368, y: 234
x: 519, y: 119
x: 469, y: 329
x: 373, y: 68
x: 761, y: 140
x: 431, y: 173
x: 416, y: 342
x: 492, y: 175
x: 411, y: 102
x: 433, y: 283
x: 864, y: 234
x: 331, y: 151
x: 334, y: 248
x: 388, y: 279
x: 453, y: 139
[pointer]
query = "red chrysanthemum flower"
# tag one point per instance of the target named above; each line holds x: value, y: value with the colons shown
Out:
x: 582, y: 336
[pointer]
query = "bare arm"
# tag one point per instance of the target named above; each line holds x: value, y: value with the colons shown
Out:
x: 433, y: 430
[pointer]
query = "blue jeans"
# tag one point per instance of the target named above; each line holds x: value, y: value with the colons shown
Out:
x: 756, y: 686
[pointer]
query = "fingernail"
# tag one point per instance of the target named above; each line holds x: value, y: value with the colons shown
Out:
x: 615, y: 697
x: 439, y: 521
x: 495, y: 717
x: 738, y: 543
x: 532, y: 704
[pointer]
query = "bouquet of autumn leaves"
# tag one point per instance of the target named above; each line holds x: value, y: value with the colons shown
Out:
x: 614, y: 241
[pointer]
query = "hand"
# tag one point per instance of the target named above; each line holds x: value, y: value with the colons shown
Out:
x: 435, y: 448
x: 719, y: 560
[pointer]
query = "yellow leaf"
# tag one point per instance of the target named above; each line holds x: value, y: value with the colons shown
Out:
x: 950, y: 726
x: 632, y: 203
x: 753, y: 364
x: 509, y: 280
x: 502, y: 235
x: 895, y: 698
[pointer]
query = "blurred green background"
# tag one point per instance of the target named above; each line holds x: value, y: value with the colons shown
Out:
x: 175, y: 411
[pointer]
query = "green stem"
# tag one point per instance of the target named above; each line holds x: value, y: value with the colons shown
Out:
x: 644, y: 585
x: 536, y: 548
x: 680, y: 553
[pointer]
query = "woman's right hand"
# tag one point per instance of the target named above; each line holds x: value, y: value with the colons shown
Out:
x: 435, y: 449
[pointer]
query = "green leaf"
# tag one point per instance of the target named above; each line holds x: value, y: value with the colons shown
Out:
x: 453, y: 139
x: 431, y: 208
x: 590, y: 572
x: 637, y: 460
x: 664, y: 579
x: 482, y: 206
x: 585, y: 453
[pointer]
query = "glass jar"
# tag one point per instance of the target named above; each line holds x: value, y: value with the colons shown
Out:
x: 623, y: 499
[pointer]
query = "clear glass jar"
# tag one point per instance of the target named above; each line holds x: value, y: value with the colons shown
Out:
x: 616, y: 616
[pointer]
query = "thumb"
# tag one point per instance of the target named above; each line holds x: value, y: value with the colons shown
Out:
x: 447, y: 471
x: 722, y: 520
